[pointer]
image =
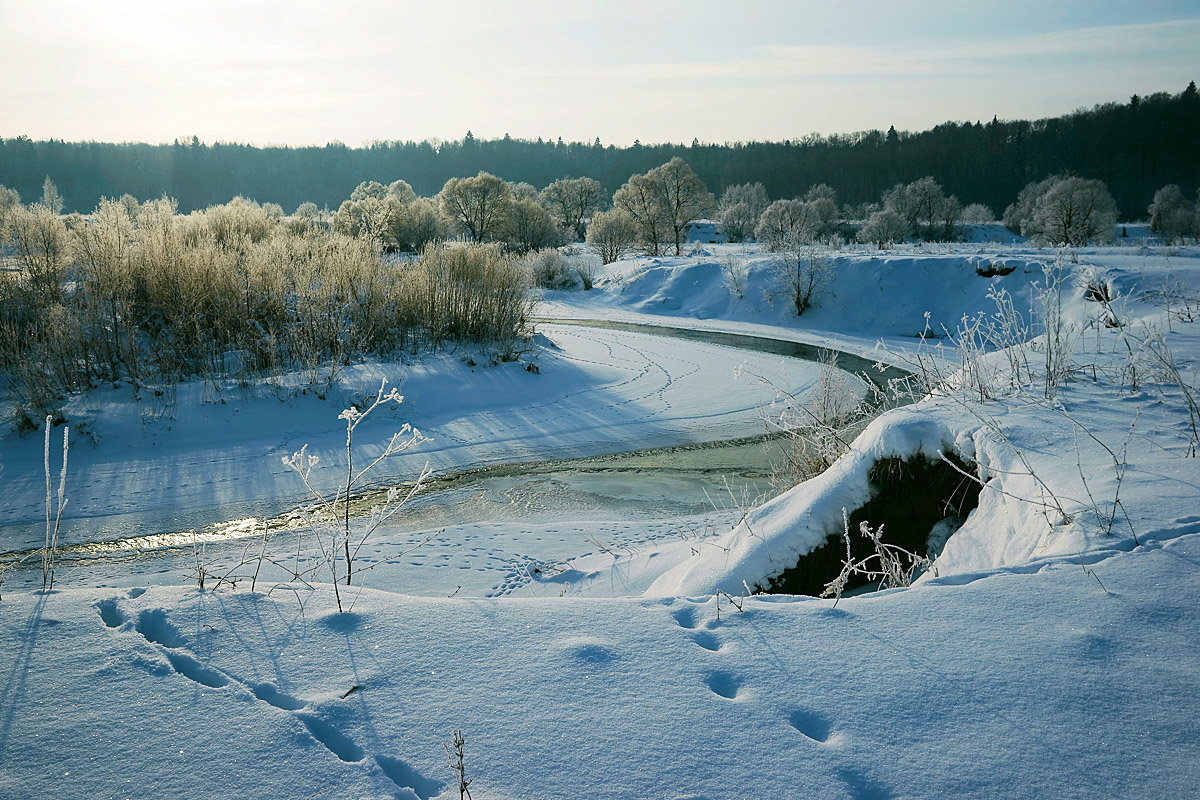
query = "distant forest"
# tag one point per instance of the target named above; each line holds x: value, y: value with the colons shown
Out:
x: 1135, y: 147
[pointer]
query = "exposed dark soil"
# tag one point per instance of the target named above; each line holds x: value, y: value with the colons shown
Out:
x: 908, y: 498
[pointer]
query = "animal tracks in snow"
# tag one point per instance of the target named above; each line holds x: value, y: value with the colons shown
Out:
x: 724, y: 684
x: 811, y: 724
x: 153, y: 626
x: 730, y: 685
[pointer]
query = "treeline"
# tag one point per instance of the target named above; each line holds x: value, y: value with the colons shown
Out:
x: 1134, y: 147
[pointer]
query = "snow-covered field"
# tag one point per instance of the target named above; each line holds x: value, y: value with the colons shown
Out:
x: 1052, y: 651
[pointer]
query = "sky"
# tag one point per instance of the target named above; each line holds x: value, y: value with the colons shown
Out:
x: 303, y: 72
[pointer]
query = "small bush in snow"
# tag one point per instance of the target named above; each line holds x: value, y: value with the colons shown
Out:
x: 801, y: 272
x: 336, y: 537
x: 735, y: 273
x: 890, y: 566
x: 549, y: 270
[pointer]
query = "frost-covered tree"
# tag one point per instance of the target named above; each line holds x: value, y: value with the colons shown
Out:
x: 523, y: 191
x: 978, y: 214
x: 400, y: 190
x: 367, y: 217
x: 51, y: 199
x: 307, y: 210
x: 662, y: 203
x: 824, y: 199
x: 43, y: 247
x: 789, y: 223
x: 476, y: 207
x: 572, y: 201
x: 883, y: 228
x: 304, y: 218
x: 800, y: 273
x: 638, y: 200
x: 1018, y: 216
x: 391, y: 216
x: 368, y: 189
x: 416, y: 225
x: 612, y: 234
x: 740, y: 208
x: 683, y: 196
x: 925, y: 207
x: 1074, y: 211
x: 1171, y: 214
x: 9, y: 199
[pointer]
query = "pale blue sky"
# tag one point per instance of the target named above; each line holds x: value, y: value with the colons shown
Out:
x: 302, y: 72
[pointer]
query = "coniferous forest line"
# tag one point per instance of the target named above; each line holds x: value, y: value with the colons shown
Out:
x: 1135, y: 147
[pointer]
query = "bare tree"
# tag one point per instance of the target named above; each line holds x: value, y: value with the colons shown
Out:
x: 477, y: 207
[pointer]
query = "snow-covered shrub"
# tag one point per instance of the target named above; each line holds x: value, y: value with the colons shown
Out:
x: 548, y: 269
x: 884, y: 228
x: 466, y: 293
x: 978, y: 214
x: 231, y: 292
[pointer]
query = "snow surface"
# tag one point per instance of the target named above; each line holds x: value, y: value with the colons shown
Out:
x: 1048, y: 654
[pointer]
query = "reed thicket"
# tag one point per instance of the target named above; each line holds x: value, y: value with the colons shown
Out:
x: 141, y: 292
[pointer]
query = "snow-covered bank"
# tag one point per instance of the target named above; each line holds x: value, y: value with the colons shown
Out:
x: 1081, y: 471
x: 141, y: 468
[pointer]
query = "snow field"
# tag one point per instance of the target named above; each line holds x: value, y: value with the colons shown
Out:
x: 1007, y: 683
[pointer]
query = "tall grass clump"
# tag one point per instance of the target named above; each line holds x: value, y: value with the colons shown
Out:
x: 467, y: 293
x: 143, y: 294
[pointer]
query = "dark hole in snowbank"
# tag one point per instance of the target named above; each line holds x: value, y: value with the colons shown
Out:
x: 908, y: 498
